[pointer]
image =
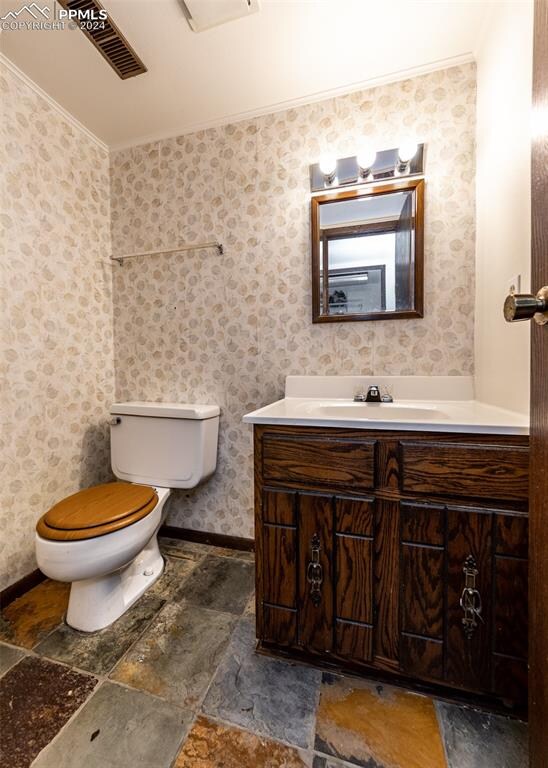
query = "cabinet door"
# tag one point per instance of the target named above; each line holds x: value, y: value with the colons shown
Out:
x: 278, y: 600
x: 469, y: 602
x: 422, y: 590
x: 463, y: 597
x: 354, y: 523
x: 446, y: 562
x: 509, y: 661
x: 316, y: 572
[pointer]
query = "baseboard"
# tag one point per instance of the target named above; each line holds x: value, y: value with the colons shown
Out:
x: 206, y: 537
x: 26, y: 583
x: 11, y: 593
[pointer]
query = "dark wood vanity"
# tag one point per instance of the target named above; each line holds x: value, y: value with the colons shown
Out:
x: 399, y: 552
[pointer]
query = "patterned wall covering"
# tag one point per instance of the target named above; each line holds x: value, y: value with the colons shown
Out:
x: 201, y: 327
x: 56, y: 350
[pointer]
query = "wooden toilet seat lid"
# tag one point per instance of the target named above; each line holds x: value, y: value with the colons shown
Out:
x: 97, y: 511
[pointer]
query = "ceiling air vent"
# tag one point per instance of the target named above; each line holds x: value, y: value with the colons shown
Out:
x: 105, y: 36
x: 202, y: 14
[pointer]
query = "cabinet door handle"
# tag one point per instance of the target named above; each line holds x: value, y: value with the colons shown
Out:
x: 314, y: 572
x: 470, y: 599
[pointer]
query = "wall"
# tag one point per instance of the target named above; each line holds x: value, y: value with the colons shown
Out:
x: 56, y: 351
x: 228, y: 329
x: 503, y: 202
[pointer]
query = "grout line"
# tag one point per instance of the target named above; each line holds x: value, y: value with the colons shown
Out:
x: 13, y: 645
x: 238, y: 727
x: 59, y: 662
x: 153, y: 618
x: 132, y: 646
x: 183, y: 740
x: 216, y: 718
x: 71, y: 718
x: 441, y: 730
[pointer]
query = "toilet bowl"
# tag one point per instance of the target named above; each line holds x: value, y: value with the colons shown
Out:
x: 104, y: 539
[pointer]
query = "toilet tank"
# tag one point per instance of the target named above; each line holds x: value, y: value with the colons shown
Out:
x: 171, y: 445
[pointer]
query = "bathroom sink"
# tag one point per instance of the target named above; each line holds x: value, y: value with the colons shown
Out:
x: 435, y: 404
x: 378, y: 411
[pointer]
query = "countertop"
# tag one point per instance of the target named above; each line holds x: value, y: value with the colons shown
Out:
x: 404, y: 414
x: 467, y: 416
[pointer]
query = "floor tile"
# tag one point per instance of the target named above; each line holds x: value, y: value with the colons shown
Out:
x: 374, y: 725
x: 178, y: 654
x: 220, y: 583
x: 210, y: 745
x: 324, y: 761
x: 31, y: 617
x: 481, y: 740
x: 98, y: 652
x: 196, y: 551
x: 176, y: 571
x: 250, y: 607
x: 118, y: 728
x: 237, y: 554
x: 8, y: 657
x: 189, y: 550
x: 268, y: 696
x: 37, y: 698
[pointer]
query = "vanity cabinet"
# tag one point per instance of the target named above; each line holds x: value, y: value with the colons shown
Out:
x: 401, y: 552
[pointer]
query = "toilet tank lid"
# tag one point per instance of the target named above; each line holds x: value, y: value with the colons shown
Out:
x: 166, y: 410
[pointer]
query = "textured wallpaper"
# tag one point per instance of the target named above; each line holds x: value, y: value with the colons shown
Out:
x: 56, y: 350
x: 197, y: 326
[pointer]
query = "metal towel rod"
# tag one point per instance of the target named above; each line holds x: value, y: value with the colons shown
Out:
x: 197, y: 247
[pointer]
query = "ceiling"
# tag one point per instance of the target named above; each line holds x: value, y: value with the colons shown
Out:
x: 290, y: 52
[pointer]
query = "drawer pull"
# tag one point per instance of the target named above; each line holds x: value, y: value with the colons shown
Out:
x: 314, y: 572
x: 470, y: 600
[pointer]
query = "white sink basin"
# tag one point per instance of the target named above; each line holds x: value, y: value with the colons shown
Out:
x: 375, y: 411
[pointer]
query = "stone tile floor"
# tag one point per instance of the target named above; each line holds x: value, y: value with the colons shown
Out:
x: 175, y: 683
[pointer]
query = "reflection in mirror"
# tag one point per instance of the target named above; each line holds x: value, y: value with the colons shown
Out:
x: 367, y: 250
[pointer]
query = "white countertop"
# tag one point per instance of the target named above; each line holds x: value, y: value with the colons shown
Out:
x: 435, y: 414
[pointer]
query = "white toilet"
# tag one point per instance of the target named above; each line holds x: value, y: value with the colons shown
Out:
x: 104, y: 539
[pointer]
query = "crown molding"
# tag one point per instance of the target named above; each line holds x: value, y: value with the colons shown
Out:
x: 362, y: 85
x: 53, y: 104
x: 269, y: 109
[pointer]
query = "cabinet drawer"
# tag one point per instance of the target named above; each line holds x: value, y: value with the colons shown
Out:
x: 459, y: 469
x: 333, y: 463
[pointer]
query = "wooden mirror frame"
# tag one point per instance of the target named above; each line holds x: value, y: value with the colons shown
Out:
x: 415, y: 185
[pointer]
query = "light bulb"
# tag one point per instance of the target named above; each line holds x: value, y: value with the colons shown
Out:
x: 328, y: 165
x: 366, y: 158
x: 407, y: 150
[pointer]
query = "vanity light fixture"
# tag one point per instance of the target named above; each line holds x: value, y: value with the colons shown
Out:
x: 368, y: 166
x: 366, y: 160
x: 328, y: 166
x: 406, y: 152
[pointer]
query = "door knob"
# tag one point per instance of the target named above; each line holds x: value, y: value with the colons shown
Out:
x: 524, y: 306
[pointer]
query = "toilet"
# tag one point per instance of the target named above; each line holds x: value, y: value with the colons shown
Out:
x: 104, y: 539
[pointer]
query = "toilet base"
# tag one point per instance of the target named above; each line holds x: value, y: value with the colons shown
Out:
x: 96, y: 603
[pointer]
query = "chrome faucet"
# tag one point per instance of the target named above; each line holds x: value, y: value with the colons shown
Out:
x: 373, y: 396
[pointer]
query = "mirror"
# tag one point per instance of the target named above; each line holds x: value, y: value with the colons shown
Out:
x: 367, y: 253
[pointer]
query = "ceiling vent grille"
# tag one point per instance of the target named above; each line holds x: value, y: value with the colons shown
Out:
x: 106, y: 37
